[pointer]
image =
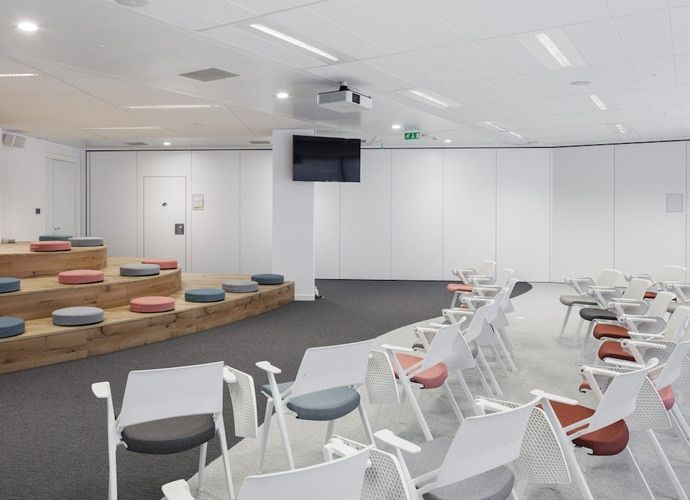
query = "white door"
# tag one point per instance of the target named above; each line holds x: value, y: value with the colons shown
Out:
x: 165, y: 225
x: 63, y: 209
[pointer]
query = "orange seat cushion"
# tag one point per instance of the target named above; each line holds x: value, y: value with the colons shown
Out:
x: 609, y: 440
x: 163, y: 263
x: 80, y: 276
x: 607, y: 330
x: 458, y: 287
x: 49, y: 246
x: 613, y: 349
x: 152, y: 303
x: 429, y: 379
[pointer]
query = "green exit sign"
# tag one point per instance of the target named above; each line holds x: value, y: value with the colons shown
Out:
x: 411, y: 135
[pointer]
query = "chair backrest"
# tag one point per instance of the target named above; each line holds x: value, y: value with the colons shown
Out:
x: 673, y: 366
x: 670, y: 274
x: 677, y: 324
x: 441, y: 347
x: 503, y: 276
x: 172, y: 392
x: 381, y: 384
x: 243, y: 397
x: 332, y: 366
x: 659, y: 305
x: 484, y: 442
x: 478, y: 321
x: 636, y: 289
x: 608, y: 277
x: 339, y: 479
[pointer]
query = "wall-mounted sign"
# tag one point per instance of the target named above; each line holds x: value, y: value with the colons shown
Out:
x: 412, y: 135
x: 197, y: 202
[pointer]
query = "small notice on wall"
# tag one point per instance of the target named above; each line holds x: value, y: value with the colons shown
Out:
x: 197, y: 202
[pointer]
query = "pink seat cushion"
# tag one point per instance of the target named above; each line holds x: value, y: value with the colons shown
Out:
x: 49, y: 246
x: 458, y: 287
x: 429, y: 379
x: 80, y: 276
x: 153, y: 303
x: 667, y: 396
x: 163, y: 263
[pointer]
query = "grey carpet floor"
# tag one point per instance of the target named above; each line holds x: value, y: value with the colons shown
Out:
x: 544, y: 361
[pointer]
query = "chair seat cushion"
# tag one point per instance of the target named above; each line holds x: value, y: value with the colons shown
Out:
x: 607, y: 441
x: 613, y: 349
x: 163, y: 263
x: 54, y: 237
x: 169, y: 435
x: 322, y: 405
x: 610, y: 331
x: 152, y: 303
x: 204, y: 295
x: 240, y: 286
x: 430, y: 378
x: 667, y: 396
x: 80, y: 276
x: 571, y: 300
x: 86, y: 241
x: 140, y: 269
x: 458, y: 287
x: 9, y: 285
x: 268, y: 279
x: 11, y: 326
x: 77, y: 316
x: 592, y: 313
x: 49, y: 246
x: 495, y: 484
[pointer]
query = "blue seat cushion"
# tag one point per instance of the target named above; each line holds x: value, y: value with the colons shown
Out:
x: 169, y: 435
x: 9, y: 285
x: 323, y: 405
x: 86, y: 241
x: 77, y: 316
x: 268, y: 279
x: 11, y: 326
x: 54, y: 237
x: 204, y: 295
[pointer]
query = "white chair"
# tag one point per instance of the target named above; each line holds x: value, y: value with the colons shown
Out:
x: 485, y: 272
x: 325, y: 389
x: 339, y: 479
x: 171, y: 410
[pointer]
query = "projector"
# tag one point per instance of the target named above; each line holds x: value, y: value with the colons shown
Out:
x: 343, y: 100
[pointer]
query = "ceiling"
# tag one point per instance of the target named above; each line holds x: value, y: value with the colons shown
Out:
x: 95, y: 58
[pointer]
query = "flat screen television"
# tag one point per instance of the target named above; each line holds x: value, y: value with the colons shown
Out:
x: 325, y: 159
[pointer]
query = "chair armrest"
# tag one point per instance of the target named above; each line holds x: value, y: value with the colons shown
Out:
x: 228, y: 376
x: 268, y: 367
x: 553, y: 397
x: 396, y: 348
x: 101, y: 390
x: 391, y: 439
x: 642, y: 343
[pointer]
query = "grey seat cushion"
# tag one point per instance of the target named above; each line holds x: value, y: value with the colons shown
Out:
x: 11, y: 326
x: 204, y: 295
x: 169, y: 435
x: 54, y: 237
x: 268, y: 279
x: 9, y: 285
x: 77, y: 316
x: 87, y: 241
x: 495, y: 484
x: 592, y: 313
x: 140, y: 269
x: 240, y: 286
x: 323, y: 405
x: 571, y: 300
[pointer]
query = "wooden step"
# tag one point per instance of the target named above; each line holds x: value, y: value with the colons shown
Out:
x: 17, y: 261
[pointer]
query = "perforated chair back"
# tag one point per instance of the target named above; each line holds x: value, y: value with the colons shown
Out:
x: 440, y: 348
x: 243, y: 397
x: 673, y: 367
x: 340, y: 479
x: 172, y: 392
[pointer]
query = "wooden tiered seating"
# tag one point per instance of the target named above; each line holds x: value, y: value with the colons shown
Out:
x: 44, y: 343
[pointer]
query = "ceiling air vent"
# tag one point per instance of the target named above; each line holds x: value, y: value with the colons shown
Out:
x: 260, y: 143
x: 208, y: 75
x: 136, y: 143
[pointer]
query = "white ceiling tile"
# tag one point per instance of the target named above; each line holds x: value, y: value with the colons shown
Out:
x: 507, y: 52
x: 646, y: 35
x: 598, y: 42
x: 369, y: 78
x: 475, y: 60
x: 405, y: 69
x: 522, y: 17
x: 680, y: 20
x: 627, y: 7
x: 660, y: 72
x: 513, y: 87
x: 469, y: 17
x: 578, y: 12
x: 198, y: 15
x: 441, y: 67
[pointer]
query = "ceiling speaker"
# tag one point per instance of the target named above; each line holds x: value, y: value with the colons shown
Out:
x: 16, y: 141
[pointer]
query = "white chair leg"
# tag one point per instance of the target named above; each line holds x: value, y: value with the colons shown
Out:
x: 112, y: 472
x: 418, y: 412
x: 464, y: 386
x: 637, y: 472
x: 365, y: 423
x: 226, y: 464
x: 565, y: 321
x: 485, y: 364
x: 264, y: 434
x: 663, y: 459
x: 202, y: 466
x: 453, y: 403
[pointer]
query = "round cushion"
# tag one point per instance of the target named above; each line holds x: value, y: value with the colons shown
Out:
x: 80, y: 276
x: 9, y: 285
x: 139, y: 269
x: 268, y: 279
x: 54, y: 237
x: 10, y: 326
x: 240, y: 286
x: 458, y: 287
x: 77, y: 316
x: 49, y: 246
x: 86, y: 241
x: 163, y: 263
x: 204, y: 295
x: 151, y: 304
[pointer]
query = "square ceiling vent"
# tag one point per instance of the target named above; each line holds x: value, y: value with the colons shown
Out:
x: 208, y: 75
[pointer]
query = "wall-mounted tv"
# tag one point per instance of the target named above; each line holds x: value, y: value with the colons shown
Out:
x: 325, y: 159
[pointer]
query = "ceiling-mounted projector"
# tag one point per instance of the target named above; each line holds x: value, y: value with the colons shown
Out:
x: 343, y: 100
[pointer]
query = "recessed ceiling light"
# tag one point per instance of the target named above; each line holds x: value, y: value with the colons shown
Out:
x: 396, y: 127
x: 282, y: 95
x: 494, y: 126
x: 447, y: 141
x: 294, y: 41
x: 597, y: 100
x: 515, y: 134
x: 17, y: 75
x: 621, y: 128
x: 27, y: 26
x: 173, y: 106
x: 551, y: 47
x: 581, y: 82
x: 430, y: 98
x: 166, y: 143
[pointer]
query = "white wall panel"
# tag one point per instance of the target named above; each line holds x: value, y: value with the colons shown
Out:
x: 214, y: 231
x: 417, y: 214
x: 112, y: 177
x: 365, y: 220
x: 523, y: 212
x: 583, y: 212
x: 469, y: 208
x: 648, y: 237
x: 327, y: 229
x: 256, y: 211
